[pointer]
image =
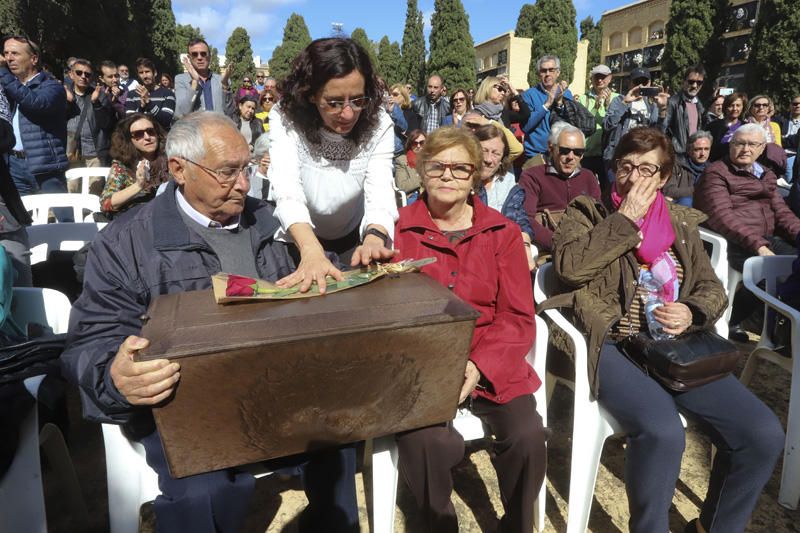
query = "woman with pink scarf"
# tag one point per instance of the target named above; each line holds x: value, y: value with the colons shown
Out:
x: 611, y: 257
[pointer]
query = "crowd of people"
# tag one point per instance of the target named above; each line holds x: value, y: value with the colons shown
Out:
x: 295, y: 180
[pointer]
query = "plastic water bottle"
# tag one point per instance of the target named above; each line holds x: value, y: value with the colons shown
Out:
x: 652, y: 302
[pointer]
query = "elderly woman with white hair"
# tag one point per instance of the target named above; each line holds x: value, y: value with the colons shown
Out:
x: 742, y: 202
x: 259, y: 184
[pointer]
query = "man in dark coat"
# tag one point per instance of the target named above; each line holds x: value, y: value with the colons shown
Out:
x: 202, y: 224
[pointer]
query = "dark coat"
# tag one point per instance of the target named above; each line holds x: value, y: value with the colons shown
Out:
x: 134, y: 259
x: 256, y: 128
x: 676, y: 122
x: 594, y: 257
x: 42, y: 120
x: 742, y: 208
x: 488, y: 269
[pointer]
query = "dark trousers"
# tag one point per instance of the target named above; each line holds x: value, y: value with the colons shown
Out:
x: 428, y: 455
x: 51, y: 182
x: 218, y: 501
x: 745, y: 302
x: 747, y: 434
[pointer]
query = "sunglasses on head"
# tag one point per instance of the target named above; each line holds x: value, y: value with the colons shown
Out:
x: 564, y: 150
x: 199, y: 54
x: 138, y: 135
x: 82, y: 73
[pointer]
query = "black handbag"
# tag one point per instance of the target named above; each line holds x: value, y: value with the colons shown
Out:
x: 31, y: 358
x: 685, y: 362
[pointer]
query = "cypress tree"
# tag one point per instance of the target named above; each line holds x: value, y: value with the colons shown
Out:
x: 554, y: 33
x: 359, y: 35
x: 591, y: 31
x: 690, y: 26
x: 161, y: 40
x: 10, y: 17
x: 412, y: 69
x: 525, y: 22
x: 389, y: 60
x: 295, y: 38
x: 773, y: 67
x: 184, y: 33
x: 213, y: 64
x: 452, y: 49
x: 239, y: 54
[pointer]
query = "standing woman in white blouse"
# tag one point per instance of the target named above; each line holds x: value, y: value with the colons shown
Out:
x: 331, y: 147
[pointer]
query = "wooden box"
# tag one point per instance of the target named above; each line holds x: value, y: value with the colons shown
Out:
x: 264, y: 380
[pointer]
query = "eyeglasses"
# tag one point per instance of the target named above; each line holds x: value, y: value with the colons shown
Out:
x: 564, y: 150
x: 395, y: 94
x: 267, y: 99
x: 695, y: 82
x: 82, y: 73
x: 795, y: 103
x: 646, y: 170
x: 246, y: 81
x: 501, y: 89
x: 547, y: 70
x: 750, y: 144
x: 337, y: 106
x: 462, y: 99
x: 138, y: 135
x: 199, y: 54
x: 760, y: 104
x: 418, y: 143
x: 459, y: 171
x: 227, y: 175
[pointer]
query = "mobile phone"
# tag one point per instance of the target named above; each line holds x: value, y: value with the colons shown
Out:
x: 725, y: 91
x: 649, y: 91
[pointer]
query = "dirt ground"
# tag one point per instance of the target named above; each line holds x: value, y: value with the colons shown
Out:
x: 279, y: 500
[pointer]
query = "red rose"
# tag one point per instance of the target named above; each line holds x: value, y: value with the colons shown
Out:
x: 240, y: 286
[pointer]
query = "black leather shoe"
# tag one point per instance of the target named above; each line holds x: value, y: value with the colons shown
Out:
x: 737, y: 334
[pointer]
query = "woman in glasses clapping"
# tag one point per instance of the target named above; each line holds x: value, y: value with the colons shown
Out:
x: 138, y: 164
x: 331, y: 147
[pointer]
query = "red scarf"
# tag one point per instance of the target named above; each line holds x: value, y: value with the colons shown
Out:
x: 411, y: 157
x: 656, y: 228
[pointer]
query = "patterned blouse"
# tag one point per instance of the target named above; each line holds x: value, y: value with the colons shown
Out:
x: 121, y: 177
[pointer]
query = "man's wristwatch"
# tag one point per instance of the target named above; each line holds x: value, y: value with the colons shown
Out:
x: 378, y: 233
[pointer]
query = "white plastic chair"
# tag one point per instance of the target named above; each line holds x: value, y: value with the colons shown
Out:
x: 729, y: 277
x: 68, y: 236
x: 385, y: 453
x: 131, y: 481
x: 770, y: 269
x: 40, y: 204
x: 84, y: 173
x: 22, y: 505
x: 592, y: 424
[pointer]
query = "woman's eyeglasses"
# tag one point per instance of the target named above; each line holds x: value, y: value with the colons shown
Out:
x: 418, y: 143
x: 337, y: 106
x: 459, y: 171
x: 501, y: 89
x: 460, y: 99
x: 138, y: 135
x: 761, y: 104
x: 267, y: 99
x: 646, y: 170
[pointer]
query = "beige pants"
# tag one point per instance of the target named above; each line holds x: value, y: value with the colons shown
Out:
x: 96, y: 183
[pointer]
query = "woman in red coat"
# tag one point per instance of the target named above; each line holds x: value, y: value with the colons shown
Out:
x: 481, y: 257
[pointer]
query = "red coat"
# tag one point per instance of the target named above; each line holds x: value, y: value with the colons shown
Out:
x: 488, y: 269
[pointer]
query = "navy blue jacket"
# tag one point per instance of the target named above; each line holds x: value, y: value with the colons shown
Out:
x: 42, y: 121
x: 134, y: 259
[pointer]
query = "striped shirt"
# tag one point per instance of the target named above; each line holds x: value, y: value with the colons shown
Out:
x: 161, y: 105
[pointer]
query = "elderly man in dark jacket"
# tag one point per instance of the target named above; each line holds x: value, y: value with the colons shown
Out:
x: 38, y: 102
x: 202, y: 224
x: 742, y: 202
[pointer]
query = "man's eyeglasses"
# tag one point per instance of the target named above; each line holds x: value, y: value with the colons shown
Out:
x: 564, y: 150
x: 337, y: 106
x: 198, y: 54
x: 227, y: 175
x: 138, y: 135
x: 500, y: 88
x: 695, y: 82
x: 750, y: 144
x: 646, y: 170
x: 459, y: 171
x: 82, y: 73
x: 547, y: 70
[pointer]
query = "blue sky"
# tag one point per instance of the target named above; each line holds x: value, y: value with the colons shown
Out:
x: 264, y: 19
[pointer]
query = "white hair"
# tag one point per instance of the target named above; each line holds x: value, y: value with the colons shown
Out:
x: 261, y: 146
x: 546, y: 58
x: 750, y: 128
x: 700, y: 134
x: 185, y: 139
x: 563, y: 127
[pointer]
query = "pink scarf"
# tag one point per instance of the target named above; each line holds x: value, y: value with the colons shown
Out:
x: 657, y: 238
